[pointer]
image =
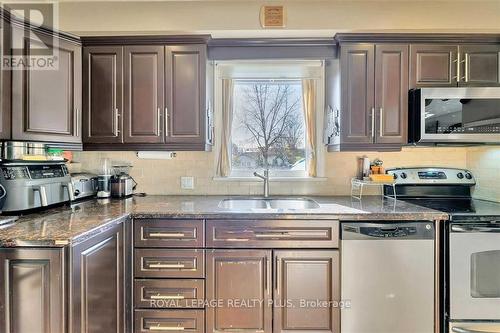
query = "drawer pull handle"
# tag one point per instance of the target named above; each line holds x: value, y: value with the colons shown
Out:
x: 166, y: 235
x: 166, y: 328
x: 237, y: 239
x: 167, y: 265
x: 167, y: 296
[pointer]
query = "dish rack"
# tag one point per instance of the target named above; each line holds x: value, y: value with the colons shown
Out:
x: 357, y: 186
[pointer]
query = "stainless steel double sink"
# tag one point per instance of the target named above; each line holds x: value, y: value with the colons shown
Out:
x: 245, y: 203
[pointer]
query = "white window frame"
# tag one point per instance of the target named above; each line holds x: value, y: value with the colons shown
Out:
x: 283, y: 175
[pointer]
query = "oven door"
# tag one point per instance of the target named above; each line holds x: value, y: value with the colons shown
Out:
x: 460, y: 115
x: 475, y: 272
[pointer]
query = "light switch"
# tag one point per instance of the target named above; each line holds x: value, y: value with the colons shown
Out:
x: 187, y: 183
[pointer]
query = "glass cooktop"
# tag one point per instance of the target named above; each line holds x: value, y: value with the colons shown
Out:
x: 459, y: 207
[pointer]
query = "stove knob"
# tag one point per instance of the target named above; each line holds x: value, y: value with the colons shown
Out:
x: 403, y: 175
x: 468, y: 176
x: 460, y: 175
x: 395, y: 176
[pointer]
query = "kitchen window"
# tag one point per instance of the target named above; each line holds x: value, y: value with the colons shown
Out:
x: 269, y: 117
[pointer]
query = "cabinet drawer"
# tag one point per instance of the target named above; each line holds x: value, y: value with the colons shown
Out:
x: 169, y: 263
x: 176, y: 293
x: 272, y: 234
x: 168, y: 233
x: 192, y: 321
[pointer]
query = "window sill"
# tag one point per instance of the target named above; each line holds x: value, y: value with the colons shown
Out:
x: 272, y: 179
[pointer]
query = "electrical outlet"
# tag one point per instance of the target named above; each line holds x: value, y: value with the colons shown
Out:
x: 187, y: 183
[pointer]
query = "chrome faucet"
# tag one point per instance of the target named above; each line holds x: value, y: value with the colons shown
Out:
x: 265, y: 178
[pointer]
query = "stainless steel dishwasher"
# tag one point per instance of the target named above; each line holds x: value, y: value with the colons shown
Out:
x: 387, y: 277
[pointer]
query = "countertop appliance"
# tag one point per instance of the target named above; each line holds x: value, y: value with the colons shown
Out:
x: 85, y: 185
x: 122, y: 186
x: 454, y: 115
x: 32, y: 185
x: 471, y: 240
x: 388, y: 277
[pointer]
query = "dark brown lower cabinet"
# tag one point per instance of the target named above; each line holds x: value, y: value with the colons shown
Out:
x: 186, y: 321
x: 32, y: 291
x: 306, y: 289
x: 98, y: 294
x: 240, y: 282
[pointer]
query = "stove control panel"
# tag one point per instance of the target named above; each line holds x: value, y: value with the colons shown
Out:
x: 432, y: 175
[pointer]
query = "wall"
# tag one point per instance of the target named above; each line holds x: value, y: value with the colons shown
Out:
x: 305, y: 17
x: 484, y: 162
x: 163, y: 176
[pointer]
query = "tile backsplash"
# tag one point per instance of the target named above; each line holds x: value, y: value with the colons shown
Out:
x: 164, y: 176
x: 484, y: 162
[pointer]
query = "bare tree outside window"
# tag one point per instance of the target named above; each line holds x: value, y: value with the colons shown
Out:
x: 268, y: 127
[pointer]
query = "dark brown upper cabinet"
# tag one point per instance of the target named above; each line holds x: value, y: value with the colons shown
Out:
x: 144, y: 106
x: 391, y: 93
x: 480, y: 65
x: 5, y: 80
x: 47, y: 103
x: 433, y: 65
x: 357, y: 70
x: 302, y: 276
x: 373, y: 96
x: 32, y: 290
x: 147, y: 93
x: 185, y: 93
x: 103, y: 94
x: 239, y: 275
x: 451, y: 65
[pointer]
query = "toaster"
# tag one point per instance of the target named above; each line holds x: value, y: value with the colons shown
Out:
x: 85, y: 185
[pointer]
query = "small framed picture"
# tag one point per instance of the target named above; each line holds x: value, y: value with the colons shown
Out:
x: 272, y: 16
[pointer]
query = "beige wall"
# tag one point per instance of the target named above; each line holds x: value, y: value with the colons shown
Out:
x: 163, y: 176
x: 484, y: 162
x: 305, y: 17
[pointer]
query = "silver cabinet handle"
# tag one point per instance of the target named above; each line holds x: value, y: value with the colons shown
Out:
x: 77, y: 122
x: 43, y: 194
x: 373, y: 122
x: 458, y: 67
x: 167, y: 234
x: 178, y: 265
x: 166, y: 328
x: 167, y: 297
x: 117, y: 122
x: 71, y: 190
x: 166, y: 122
x: 466, y: 69
x: 466, y: 330
x: 159, y: 122
x: 381, y: 129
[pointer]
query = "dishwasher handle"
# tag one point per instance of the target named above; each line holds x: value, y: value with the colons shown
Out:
x: 387, y: 231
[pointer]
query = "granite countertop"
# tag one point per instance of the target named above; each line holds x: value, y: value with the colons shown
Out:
x: 66, y: 225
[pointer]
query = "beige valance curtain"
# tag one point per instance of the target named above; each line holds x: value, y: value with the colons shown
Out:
x: 224, y: 160
x: 309, y: 98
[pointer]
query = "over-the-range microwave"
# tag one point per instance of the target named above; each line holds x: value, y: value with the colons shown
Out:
x: 454, y: 115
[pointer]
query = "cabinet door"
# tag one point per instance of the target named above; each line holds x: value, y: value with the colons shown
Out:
x: 391, y: 93
x: 102, y: 94
x: 480, y: 65
x: 185, y: 93
x: 46, y: 102
x: 97, y: 294
x: 357, y: 91
x: 239, y: 276
x: 433, y: 65
x: 143, y: 91
x: 5, y: 82
x: 32, y: 291
x: 306, y: 290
